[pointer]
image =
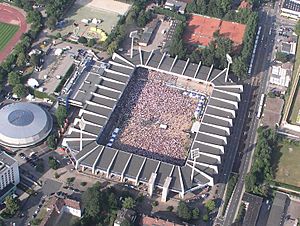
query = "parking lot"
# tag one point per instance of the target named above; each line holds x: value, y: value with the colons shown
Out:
x: 55, y: 67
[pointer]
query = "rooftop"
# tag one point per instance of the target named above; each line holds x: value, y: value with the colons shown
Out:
x: 276, y: 216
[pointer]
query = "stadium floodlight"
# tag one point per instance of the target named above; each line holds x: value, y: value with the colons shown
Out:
x: 132, y: 35
x: 81, y: 126
x: 229, y: 60
x: 194, y: 155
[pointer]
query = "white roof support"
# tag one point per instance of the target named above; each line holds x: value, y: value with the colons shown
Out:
x: 122, y: 58
x: 94, y: 165
x: 112, y: 80
x: 181, y: 180
x: 199, y: 65
x: 218, y: 75
x: 211, y: 180
x: 119, y: 65
x: 140, y: 170
x: 161, y: 60
x: 223, y: 109
x: 97, y: 105
x: 107, y: 88
x: 240, y: 87
x: 229, y: 120
x: 149, y: 58
x: 174, y: 61
x: 185, y: 66
x: 226, y: 129
x: 102, y: 96
x: 141, y: 56
x: 213, y: 167
x: 237, y: 95
x: 215, y: 136
x: 210, y: 70
x: 110, y: 164
x: 234, y: 103
x: 116, y: 72
x: 221, y: 148
x: 128, y: 161
x: 73, y: 129
x: 90, y: 112
x: 84, y: 156
x: 217, y: 157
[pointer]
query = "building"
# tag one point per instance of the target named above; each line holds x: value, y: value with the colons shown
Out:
x: 102, y: 88
x: 281, y: 74
x: 147, y: 33
x: 151, y: 221
x: 9, y: 175
x: 178, y: 6
x: 278, y: 209
x: 253, y: 205
x: 288, y: 47
x: 291, y: 9
x: 272, y: 112
x: 32, y: 123
x: 125, y: 214
x: 68, y: 206
x: 201, y: 29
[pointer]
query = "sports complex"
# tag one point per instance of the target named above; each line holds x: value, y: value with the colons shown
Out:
x: 151, y: 120
x: 12, y: 26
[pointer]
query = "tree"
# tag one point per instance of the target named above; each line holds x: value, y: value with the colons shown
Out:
x: 282, y: 57
x: 52, y: 141
x: 125, y: 223
x: 128, y: 203
x: 12, y: 205
x: 82, y: 40
x: 112, y: 47
x: 14, y: 78
x: 183, y: 211
x: 205, y: 217
x: 21, y: 59
x: 92, y: 200
x: 53, y: 164
x: 297, y: 28
x: 51, y: 22
x: 210, y: 205
x: 196, y: 213
x: 239, y: 67
x: 61, y: 115
x: 20, y: 90
x: 70, y: 181
x: 56, y: 175
x: 91, y: 42
x: 35, y: 59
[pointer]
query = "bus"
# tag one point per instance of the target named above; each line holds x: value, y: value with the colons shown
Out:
x: 260, y: 107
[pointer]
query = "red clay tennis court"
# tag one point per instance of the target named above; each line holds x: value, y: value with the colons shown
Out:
x: 200, y: 30
x: 12, y: 15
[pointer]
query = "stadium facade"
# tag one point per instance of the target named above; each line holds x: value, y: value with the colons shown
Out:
x: 24, y: 124
x: 96, y: 90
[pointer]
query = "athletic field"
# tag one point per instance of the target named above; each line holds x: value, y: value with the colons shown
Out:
x: 7, y: 31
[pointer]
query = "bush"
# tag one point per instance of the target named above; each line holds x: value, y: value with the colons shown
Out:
x: 154, y: 203
x: 52, y: 141
x: 82, y: 40
x: 170, y: 208
x: 205, y: 217
x: 56, y: 175
x: 83, y: 183
x: 53, y: 164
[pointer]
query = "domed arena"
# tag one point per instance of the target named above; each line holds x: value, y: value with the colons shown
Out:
x: 24, y: 124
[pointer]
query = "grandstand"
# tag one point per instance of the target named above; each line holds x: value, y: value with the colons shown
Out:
x: 128, y: 121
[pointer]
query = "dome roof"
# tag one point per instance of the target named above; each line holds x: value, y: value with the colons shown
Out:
x: 23, y: 124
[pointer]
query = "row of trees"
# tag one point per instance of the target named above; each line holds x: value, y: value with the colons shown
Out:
x: 213, y: 8
x: 187, y: 214
x: 14, y: 79
x: 258, y: 179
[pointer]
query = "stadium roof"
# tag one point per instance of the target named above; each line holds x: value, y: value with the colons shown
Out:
x: 23, y: 124
x: 100, y: 100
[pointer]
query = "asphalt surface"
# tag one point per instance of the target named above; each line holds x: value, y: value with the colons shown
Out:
x: 258, y: 81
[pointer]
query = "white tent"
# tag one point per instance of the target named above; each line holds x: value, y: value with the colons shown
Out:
x: 33, y: 83
x: 29, y: 97
x: 58, y: 52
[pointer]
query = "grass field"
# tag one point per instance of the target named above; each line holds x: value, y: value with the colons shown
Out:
x: 293, y: 114
x: 7, y: 31
x: 286, y: 163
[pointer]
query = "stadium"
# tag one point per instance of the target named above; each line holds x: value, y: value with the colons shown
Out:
x: 23, y: 124
x: 151, y: 120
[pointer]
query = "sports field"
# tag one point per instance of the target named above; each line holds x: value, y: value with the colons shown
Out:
x: 286, y: 163
x: 7, y: 31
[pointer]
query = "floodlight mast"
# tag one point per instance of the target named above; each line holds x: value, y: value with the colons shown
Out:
x: 194, y: 154
x: 229, y: 60
x: 81, y: 126
x: 132, y: 35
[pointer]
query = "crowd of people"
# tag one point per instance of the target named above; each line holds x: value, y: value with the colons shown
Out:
x: 151, y: 103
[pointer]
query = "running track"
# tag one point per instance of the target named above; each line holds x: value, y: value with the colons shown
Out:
x: 12, y: 15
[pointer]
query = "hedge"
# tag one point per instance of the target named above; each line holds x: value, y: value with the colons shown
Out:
x: 64, y: 79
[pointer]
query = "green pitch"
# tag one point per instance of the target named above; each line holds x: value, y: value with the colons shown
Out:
x: 7, y: 31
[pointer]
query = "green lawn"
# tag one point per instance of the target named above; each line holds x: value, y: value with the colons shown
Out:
x: 286, y: 163
x: 7, y: 31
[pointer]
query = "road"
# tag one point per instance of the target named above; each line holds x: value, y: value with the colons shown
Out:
x: 258, y: 81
